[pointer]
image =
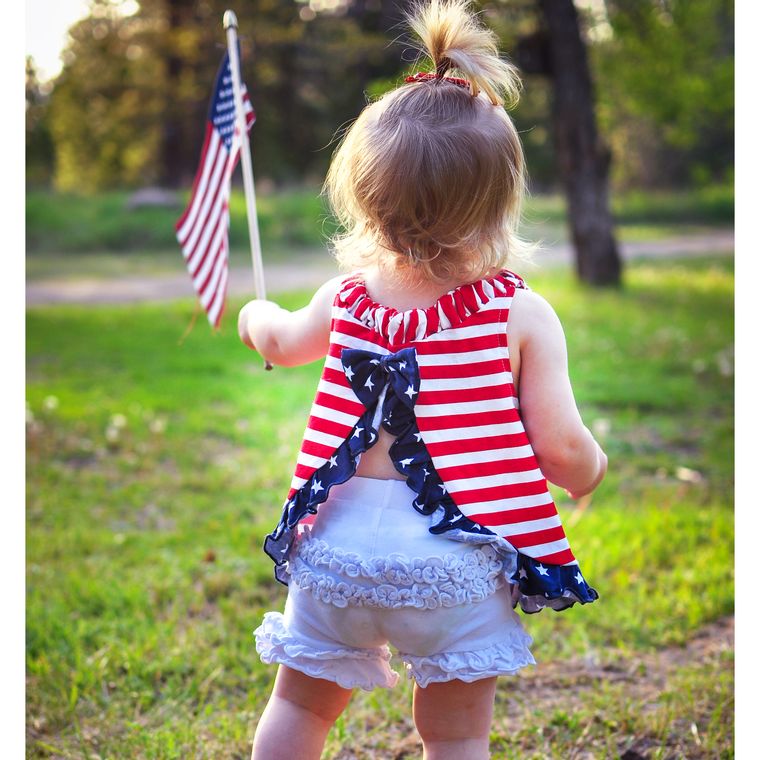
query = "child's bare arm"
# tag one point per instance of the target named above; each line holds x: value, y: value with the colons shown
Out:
x: 289, y: 338
x: 566, y: 451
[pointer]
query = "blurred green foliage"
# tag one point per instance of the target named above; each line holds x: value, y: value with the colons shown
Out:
x: 129, y: 107
x: 39, y: 141
x: 665, y: 81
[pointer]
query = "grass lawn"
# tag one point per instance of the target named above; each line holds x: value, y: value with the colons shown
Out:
x: 155, y: 467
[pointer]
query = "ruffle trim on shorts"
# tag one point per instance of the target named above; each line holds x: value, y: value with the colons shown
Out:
x: 393, y: 581
x: 504, y: 658
x: 369, y: 668
x: 338, y: 469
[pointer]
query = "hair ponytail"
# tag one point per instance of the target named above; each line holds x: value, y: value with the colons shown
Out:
x: 429, y: 179
x: 453, y: 39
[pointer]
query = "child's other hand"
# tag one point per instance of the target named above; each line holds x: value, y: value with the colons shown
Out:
x: 602, y: 463
x: 252, y: 312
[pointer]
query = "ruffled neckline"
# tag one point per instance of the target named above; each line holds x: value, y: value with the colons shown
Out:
x: 450, y: 310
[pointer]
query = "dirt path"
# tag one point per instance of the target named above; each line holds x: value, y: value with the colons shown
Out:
x: 642, y: 679
x: 310, y: 272
x: 639, y: 684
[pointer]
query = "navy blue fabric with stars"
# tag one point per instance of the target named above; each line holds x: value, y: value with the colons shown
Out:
x: 221, y: 112
x: 387, y: 385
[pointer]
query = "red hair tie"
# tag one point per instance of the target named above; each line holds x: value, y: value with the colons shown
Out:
x: 422, y: 76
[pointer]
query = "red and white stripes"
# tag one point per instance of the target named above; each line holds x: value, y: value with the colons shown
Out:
x: 467, y: 411
x: 202, y: 230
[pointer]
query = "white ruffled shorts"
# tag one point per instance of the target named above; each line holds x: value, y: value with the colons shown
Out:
x: 368, y: 573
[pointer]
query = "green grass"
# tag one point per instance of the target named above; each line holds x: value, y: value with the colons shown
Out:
x: 59, y: 224
x: 155, y: 468
x: 711, y: 205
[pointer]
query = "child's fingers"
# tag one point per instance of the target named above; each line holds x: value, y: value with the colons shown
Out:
x: 243, y: 330
x: 259, y: 310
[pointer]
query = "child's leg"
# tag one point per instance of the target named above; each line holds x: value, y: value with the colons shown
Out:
x: 298, y: 716
x: 454, y: 718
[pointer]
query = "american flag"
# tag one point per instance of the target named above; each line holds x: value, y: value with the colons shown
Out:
x: 202, y: 228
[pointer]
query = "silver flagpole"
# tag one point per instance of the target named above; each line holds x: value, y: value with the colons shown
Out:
x: 230, y: 26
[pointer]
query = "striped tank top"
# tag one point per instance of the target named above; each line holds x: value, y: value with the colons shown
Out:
x: 439, y: 380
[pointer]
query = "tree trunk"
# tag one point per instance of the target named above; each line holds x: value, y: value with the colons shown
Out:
x: 172, y: 172
x: 583, y: 158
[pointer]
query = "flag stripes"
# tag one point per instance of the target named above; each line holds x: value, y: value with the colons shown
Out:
x: 202, y: 230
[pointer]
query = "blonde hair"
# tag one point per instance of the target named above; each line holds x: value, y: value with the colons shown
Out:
x: 429, y: 179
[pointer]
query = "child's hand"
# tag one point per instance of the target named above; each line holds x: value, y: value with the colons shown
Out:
x: 289, y: 338
x: 253, y: 312
x: 602, y: 463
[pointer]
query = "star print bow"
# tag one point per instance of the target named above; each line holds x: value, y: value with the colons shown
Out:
x: 368, y: 373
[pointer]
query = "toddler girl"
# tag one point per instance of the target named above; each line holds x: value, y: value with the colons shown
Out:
x: 419, y: 514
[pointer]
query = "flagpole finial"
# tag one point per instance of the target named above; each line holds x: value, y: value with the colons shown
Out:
x: 230, y: 20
